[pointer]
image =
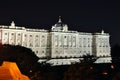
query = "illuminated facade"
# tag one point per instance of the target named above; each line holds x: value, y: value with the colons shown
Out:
x: 59, y: 42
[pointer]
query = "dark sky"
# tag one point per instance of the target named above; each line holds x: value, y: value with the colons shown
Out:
x: 80, y: 15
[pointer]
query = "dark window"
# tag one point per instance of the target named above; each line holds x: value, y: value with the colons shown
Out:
x: 36, y: 35
x: 36, y: 51
x: 5, y: 33
x: 30, y: 35
x: 42, y: 51
x: 43, y: 36
x: 31, y: 45
x: 12, y: 34
x: 25, y: 35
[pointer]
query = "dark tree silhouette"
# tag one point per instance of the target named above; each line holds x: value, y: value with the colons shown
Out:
x: 24, y: 57
x: 88, y: 59
x: 117, y: 76
x: 115, y: 53
x: 115, y: 50
x: 81, y: 71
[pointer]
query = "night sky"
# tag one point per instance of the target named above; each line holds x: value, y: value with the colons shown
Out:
x: 84, y: 15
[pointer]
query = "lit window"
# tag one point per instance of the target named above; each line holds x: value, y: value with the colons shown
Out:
x: 112, y: 66
x: 104, y: 73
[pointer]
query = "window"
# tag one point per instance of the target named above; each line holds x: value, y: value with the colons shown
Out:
x: 88, y: 51
x: 56, y: 52
x: 36, y: 35
x: 65, y: 37
x: 19, y: 43
x: 18, y: 34
x: 106, y: 45
x: 84, y: 46
x: 31, y: 45
x: 42, y: 51
x: 36, y: 45
x: 43, y: 43
x: 25, y: 35
x: 74, y: 41
x: 56, y: 40
x: 30, y: 35
x: 12, y: 34
x: 5, y: 33
x: 36, y: 41
x: 43, y: 36
x: 12, y: 43
x: 36, y: 51
x: 88, y: 45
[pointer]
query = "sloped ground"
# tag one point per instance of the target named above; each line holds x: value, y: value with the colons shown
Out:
x: 10, y: 71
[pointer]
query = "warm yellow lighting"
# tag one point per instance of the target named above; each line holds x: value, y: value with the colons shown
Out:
x: 30, y: 70
x: 105, y: 73
x: 91, y: 67
x: 112, y: 67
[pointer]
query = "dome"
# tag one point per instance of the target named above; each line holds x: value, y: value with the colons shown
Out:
x: 59, y: 26
x: 59, y: 23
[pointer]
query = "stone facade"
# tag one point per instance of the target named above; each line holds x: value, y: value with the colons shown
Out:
x: 59, y: 42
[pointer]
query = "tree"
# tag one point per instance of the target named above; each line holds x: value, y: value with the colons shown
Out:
x: 115, y: 53
x: 115, y: 50
x: 88, y: 59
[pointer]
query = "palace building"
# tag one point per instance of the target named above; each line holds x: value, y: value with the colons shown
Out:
x: 58, y: 44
